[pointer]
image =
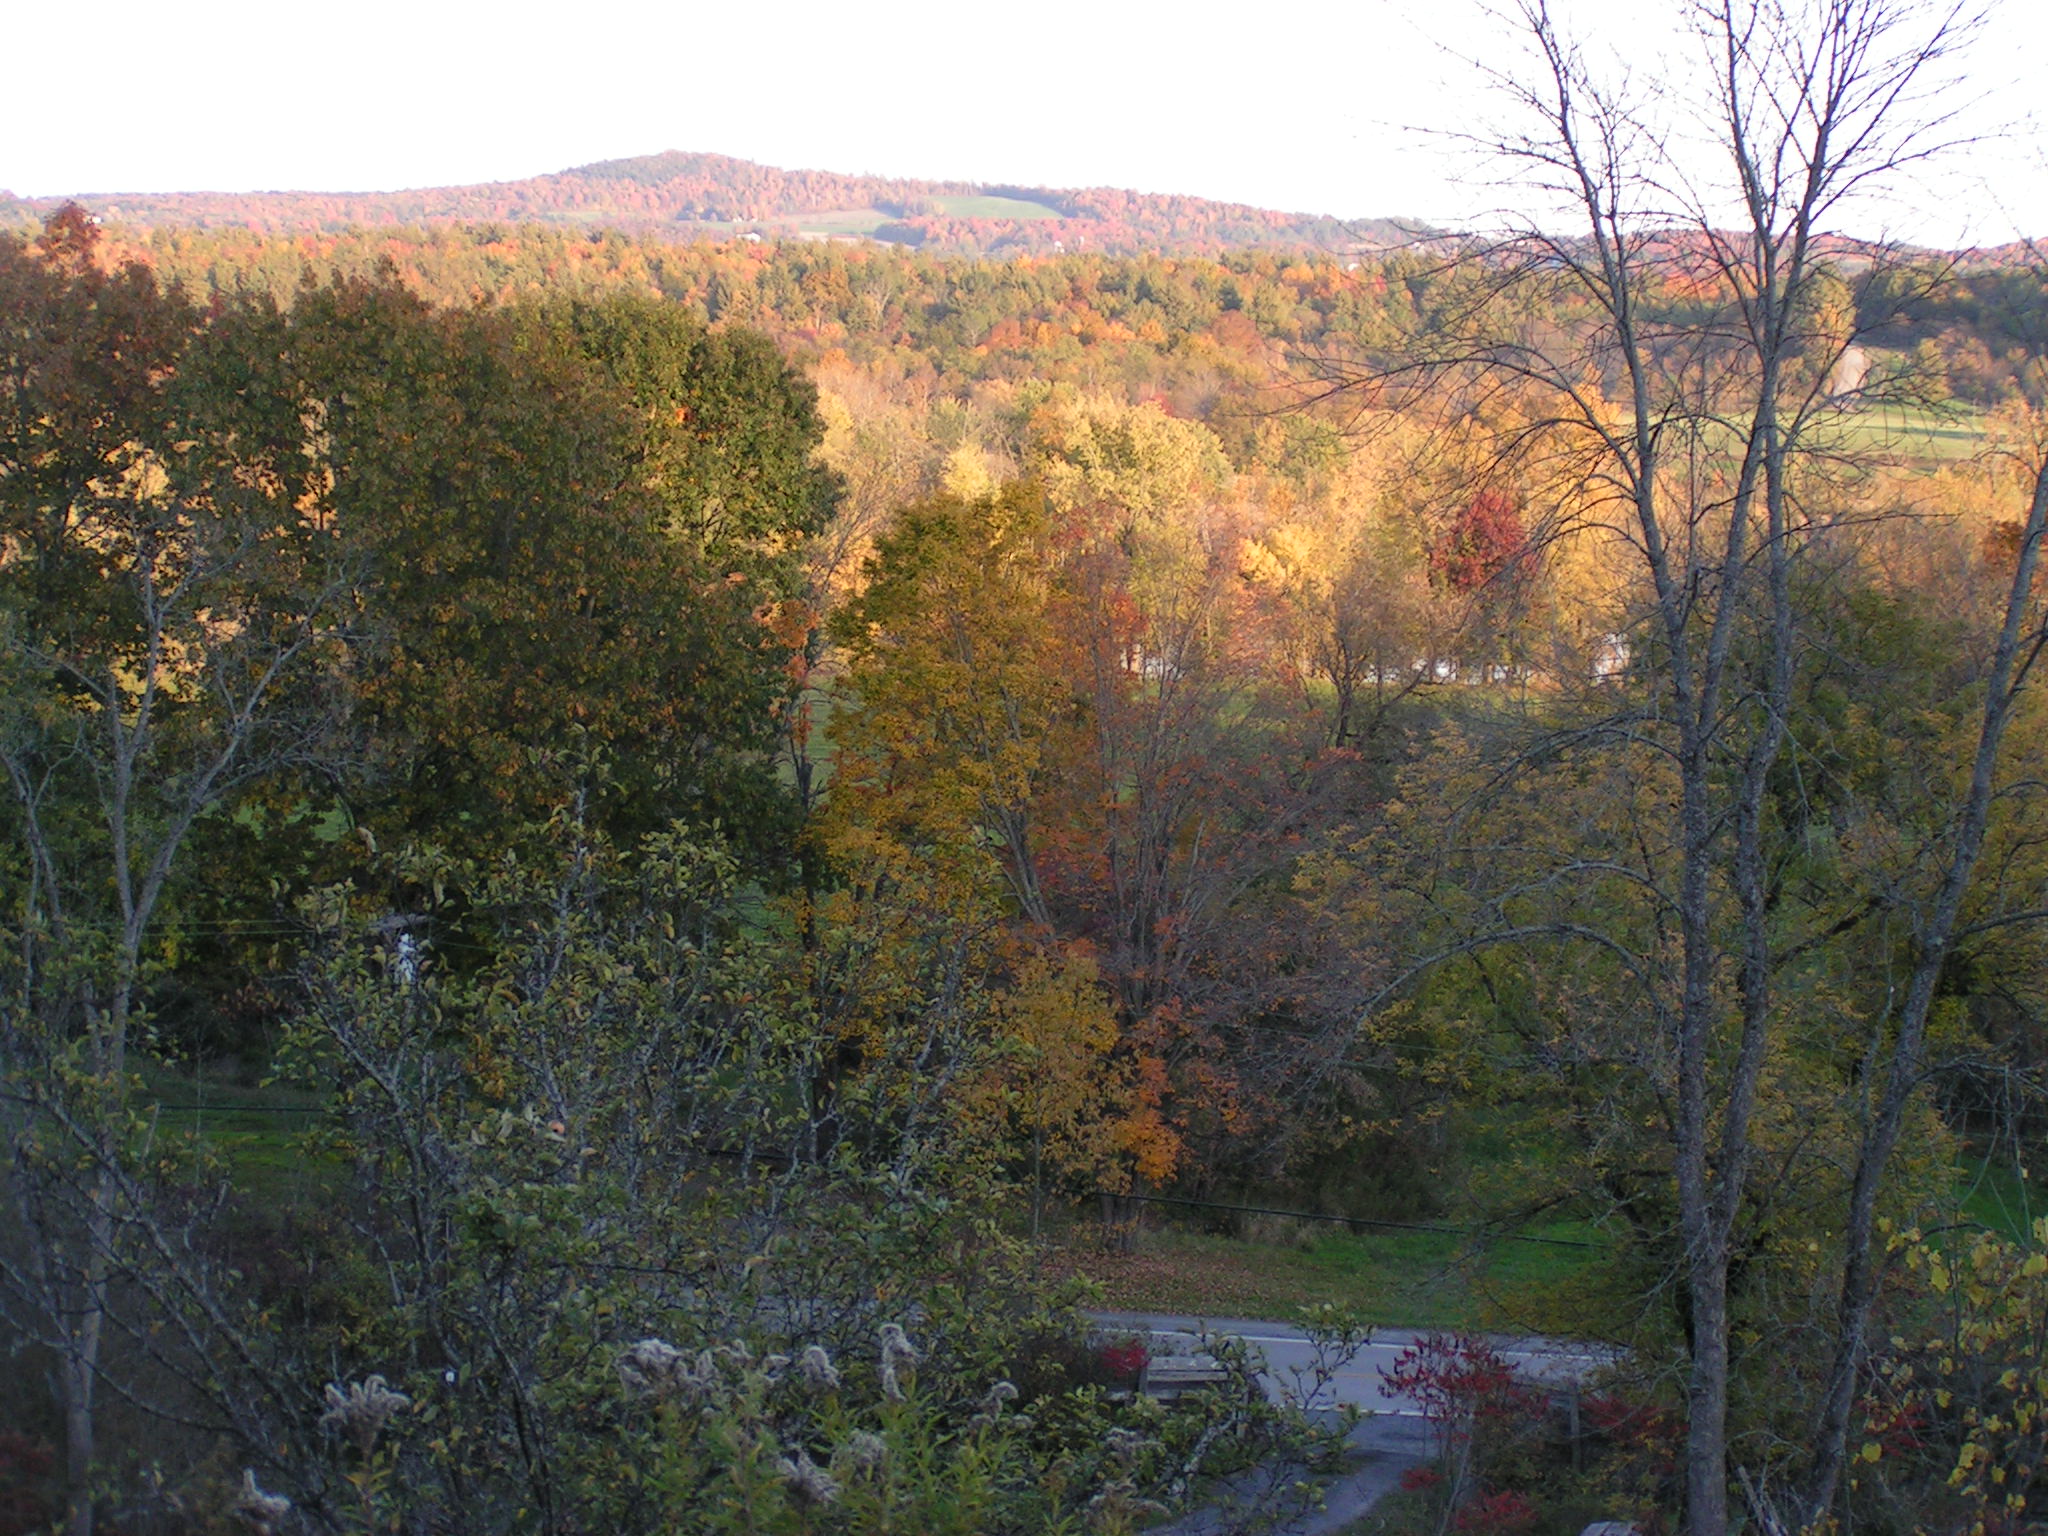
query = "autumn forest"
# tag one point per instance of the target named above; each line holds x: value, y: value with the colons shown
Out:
x: 660, y: 841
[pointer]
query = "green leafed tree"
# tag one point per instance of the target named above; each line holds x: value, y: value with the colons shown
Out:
x: 577, y: 522
x: 253, y: 558
x: 176, y: 612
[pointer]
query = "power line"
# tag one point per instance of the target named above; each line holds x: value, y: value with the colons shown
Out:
x: 249, y: 1109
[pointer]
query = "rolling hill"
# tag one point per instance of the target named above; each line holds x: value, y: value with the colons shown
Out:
x: 716, y: 195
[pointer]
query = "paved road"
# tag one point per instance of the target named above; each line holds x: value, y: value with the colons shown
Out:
x: 1362, y: 1383
x: 1387, y: 1442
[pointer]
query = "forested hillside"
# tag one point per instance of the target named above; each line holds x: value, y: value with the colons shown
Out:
x: 697, y: 195
x: 631, y: 865
x: 1189, y: 329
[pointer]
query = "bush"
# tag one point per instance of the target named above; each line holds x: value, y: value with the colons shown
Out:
x: 28, y: 1489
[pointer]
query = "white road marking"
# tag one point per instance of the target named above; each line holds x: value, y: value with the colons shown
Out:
x: 1560, y: 1355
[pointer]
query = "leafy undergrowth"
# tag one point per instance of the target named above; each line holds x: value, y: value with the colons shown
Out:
x: 1405, y: 1512
x: 1413, y: 1512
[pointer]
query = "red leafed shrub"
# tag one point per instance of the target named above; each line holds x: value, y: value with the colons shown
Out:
x: 1900, y: 1427
x: 1504, y: 1513
x: 1417, y: 1478
x: 28, y: 1499
x: 1123, y: 1360
x: 1644, y: 1430
x: 1455, y: 1378
x: 1644, y: 1450
x: 1051, y: 1362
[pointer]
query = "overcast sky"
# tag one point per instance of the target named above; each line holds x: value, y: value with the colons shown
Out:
x: 1303, y: 106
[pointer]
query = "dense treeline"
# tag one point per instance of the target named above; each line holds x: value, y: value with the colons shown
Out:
x: 967, y: 319
x: 1202, y: 334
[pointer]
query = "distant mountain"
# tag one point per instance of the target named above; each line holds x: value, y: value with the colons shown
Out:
x: 715, y: 195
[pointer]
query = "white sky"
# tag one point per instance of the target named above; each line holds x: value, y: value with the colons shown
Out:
x: 1300, y: 105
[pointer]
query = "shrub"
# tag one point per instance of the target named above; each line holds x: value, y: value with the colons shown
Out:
x: 28, y: 1493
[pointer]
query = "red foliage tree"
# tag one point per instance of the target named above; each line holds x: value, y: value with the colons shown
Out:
x: 1467, y: 1391
x: 1485, y: 540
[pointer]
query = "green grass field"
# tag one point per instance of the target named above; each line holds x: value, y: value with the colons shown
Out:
x: 865, y: 221
x: 1996, y: 1197
x: 824, y: 704
x: 842, y: 221
x: 1909, y: 435
x: 995, y: 208
x: 1395, y: 1279
x: 1424, y: 1279
x: 1894, y: 434
x: 258, y: 1133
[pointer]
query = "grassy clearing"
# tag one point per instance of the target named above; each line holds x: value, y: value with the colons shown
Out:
x: 1996, y: 1195
x: 995, y: 208
x: 258, y: 1133
x: 865, y: 221
x: 1911, y: 435
x: 1395, y: 1279
x: 1404, y: 1279
x: 842, y: 221
x: 1884, y: 433
x: 824, y: 703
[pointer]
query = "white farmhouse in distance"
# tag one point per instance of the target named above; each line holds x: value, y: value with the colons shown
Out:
x: 1847, y: 377
x: 1610, y: 657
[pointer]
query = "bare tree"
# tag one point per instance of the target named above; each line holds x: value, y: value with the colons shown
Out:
x: 1678, y: 371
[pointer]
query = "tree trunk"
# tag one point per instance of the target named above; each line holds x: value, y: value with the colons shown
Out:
x: 1706, y: 1400
x: 84, y: 1329
x: 75, y: 1380
x: 1037, y: 1181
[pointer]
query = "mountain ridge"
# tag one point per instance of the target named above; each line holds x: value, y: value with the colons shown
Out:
x: 704, y: 194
